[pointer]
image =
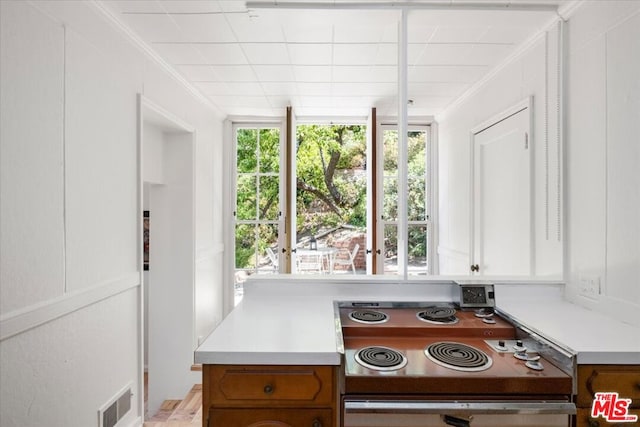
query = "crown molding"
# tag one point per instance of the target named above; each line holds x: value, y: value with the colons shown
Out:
x: 155, y: 57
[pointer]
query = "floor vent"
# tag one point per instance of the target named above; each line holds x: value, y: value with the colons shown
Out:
x: 117, y: 407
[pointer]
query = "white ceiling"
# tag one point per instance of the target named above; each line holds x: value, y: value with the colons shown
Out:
x: 328, y: 62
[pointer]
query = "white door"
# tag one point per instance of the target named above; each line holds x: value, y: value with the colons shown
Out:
x: 502, y: 226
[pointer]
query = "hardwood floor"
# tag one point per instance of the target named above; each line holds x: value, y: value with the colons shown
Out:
x: 177, y: 413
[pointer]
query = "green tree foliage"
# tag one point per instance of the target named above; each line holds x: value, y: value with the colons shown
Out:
x: 331, y: 180
x: 330, y: 183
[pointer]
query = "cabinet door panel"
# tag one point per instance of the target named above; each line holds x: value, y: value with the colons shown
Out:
x: 253, y: 386
x: 583, y: 419
x: 259, y: 417
x: 625, y: 380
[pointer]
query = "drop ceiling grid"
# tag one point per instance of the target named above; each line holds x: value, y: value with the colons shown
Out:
x: 322, y: 59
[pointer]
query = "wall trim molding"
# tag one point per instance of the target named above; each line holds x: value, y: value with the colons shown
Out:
x: 164, y: 65
x: 22, y: 320
x: 512, y: 58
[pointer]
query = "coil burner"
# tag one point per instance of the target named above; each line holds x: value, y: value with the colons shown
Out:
x: 460, y: 357
x: 368, y: 316
x: 381, y: 358
x: 438, y: 315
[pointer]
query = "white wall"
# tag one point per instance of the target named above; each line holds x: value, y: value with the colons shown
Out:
x: 70, y: 291
x: 603, y: 156
x: 532, y: 73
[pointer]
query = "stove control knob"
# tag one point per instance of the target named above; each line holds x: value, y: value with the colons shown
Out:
x: 535, y: 365
x: 519, y: 347
x: 501, y: 343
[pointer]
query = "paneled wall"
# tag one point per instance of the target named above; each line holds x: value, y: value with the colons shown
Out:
x: 532, y: 72
x: 70, y: 310
x: 603, y: 157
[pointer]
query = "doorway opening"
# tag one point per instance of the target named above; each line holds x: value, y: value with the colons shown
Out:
x: 166, y: 174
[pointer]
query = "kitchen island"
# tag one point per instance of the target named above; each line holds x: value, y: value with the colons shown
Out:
x: 286, y: 330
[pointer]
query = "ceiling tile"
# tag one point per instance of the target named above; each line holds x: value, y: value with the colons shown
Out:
x: 366, y: 26
x: 301, y: 31
x: 449, y: 74
x: 281, y: 102
x: 179, y: 53
x: 417, y: 32
x: 365, y: 73
x: 274, y: 73
x: 233, y: 6
x: 266, y: 53
x: 254, y: 29
x: 280, y: 88
x: 446, y: 54
x: 198, y: 73
x: 242, y: 101
x: 230, y: 88
x: 489, y: 54
x: 314, y: 88
x: 191, y: 6
x: 354, y: 54
x: 203, y: 28
x: 135, y: 6
x: 154, y: 27
x: 458, y: 34
x: 222, y: 53
x: 364, y: 89
x: 511, y: 35
x: 437, y: 89
x: 213, y: 88
x: 310, y: 54
x: 234, y: 73
x: 312, y: 73
x: 387, y: 54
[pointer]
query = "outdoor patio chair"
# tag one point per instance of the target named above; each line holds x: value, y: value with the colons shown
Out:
x: 273, y: 258
x: 349, y: 260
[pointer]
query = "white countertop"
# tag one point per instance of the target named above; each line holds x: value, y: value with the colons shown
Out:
x: 291, y: 321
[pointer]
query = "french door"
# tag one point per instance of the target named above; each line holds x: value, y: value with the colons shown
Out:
x: 258, y: 218
x: 419, y: 195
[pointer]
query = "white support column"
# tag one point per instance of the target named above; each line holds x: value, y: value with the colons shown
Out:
x: 402, y: 145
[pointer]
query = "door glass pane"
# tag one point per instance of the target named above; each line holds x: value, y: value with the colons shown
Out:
x: 247, y: 142
x: 245, y: 247
x: 246, y: 197
x: 268, y: 249
x: 258, y: 207
x: 268, y: 199
x: 390, y: 199
x: 416, y: 199
x: 416, y: 150
x: 390, y: 251
x: 417, y: 247
x: 270, y: 150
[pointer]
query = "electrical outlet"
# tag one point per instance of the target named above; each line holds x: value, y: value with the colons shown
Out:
x: 590, y: 286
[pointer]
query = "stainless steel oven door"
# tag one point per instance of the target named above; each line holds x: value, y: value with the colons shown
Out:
x: 415, y: 413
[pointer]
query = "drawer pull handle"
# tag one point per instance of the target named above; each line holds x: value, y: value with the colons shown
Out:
x: 268, y: 389
x: 316, y: 423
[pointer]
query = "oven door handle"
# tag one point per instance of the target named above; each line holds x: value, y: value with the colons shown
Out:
x: 457, y: 408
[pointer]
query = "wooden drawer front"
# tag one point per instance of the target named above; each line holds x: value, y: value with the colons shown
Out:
x: 255, y: 417
x: 608, y: 378
x: 299, y: 385
x: 583, y: 419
